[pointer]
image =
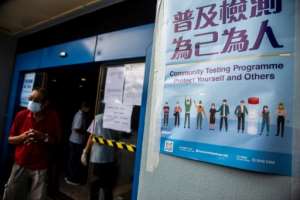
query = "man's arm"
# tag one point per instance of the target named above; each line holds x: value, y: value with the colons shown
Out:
x: 236, y: 110
x: 89, y: 144
x: 86, y: 150
x: 19, y: 139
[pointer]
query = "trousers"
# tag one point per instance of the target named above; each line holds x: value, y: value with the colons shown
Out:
x: 26, y: 184
x: 101, y: 180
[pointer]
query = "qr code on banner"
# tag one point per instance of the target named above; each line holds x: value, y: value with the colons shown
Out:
x: 169, y: 146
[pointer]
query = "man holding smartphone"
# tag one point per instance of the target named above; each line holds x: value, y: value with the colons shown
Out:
x: 31, y: 133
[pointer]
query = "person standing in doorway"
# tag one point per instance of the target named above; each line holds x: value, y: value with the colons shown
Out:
x: 224, y: 112
x: 75, y: 170
x: 265, y: 114
x: 166, y: 110
x: 33, y: 130
x: 200, y: 114
x: 187, y: 116
x: 212, y: 117
x: 281, y: 115
x: 241, y: 111
x: 102, y: 163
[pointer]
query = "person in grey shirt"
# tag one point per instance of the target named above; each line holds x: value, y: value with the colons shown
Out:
x: 75, y: 170
x: 102, y: 165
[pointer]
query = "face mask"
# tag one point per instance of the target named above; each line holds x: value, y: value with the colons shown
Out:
x: 34, y: 107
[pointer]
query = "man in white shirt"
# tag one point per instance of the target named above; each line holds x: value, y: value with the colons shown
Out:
x: 75, y: 170
x: 102, y: 165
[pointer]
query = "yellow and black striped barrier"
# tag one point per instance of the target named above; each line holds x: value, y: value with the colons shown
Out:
x: 114, y: 144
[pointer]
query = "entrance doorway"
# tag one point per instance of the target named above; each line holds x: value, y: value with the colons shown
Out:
x: 68, y: 87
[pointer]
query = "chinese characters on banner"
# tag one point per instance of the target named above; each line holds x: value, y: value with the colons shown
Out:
x: 229, y: 83
x: 218, y: 29
x: 27, y: 88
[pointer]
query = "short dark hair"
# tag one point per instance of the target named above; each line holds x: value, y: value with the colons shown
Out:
x: 85, y: 104
x: 44, y: 94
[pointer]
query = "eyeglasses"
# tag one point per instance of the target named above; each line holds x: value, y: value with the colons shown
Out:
x: 35, y: 99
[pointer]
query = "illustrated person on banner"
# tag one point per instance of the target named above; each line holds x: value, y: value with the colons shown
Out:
x: 224, y: 112
x: 200, y: 114
x: 187, y: 116
x: 101, y: 163
x: 166, y: 110
x: 265, y: 114
x: 241, y: 111
x: 33, y: 131
x: 281, y: 116
x: 212, y: 116
x: 75, y: 170
x: 177, y: 111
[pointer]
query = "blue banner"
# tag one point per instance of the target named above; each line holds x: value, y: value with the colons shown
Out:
x: 229, y: 83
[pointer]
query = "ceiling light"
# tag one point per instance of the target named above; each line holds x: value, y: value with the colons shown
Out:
x: 63, y: 54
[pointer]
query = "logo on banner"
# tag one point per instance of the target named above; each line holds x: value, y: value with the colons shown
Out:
x: 169, y: 146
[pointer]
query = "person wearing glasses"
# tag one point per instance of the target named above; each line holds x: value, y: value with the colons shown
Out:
x: 33, y: 130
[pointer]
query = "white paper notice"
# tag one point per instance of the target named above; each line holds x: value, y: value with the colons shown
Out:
x: 27, y: 88
x: 134, y: 79
x: 114, y: 85
x: 117, y: 117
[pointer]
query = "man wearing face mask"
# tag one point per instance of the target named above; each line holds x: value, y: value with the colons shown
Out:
x: 200, y: 113
x: 241, y: 111
x: 32, y: 131
x: 76, y: 145
x: 187, y: 116
x: 224, y: 112
x: 177, y: 111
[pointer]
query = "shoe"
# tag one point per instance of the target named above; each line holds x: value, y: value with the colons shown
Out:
x: 70, y: 182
